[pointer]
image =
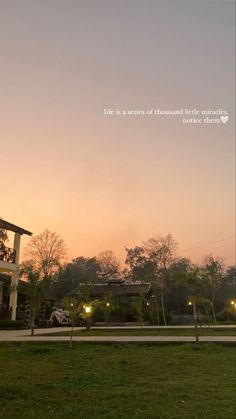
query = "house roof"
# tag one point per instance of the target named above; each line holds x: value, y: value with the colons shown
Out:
x: 12, y: 227
x: 124, y: 288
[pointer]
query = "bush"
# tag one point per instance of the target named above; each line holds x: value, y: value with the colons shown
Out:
x: 11, y: 324
x: 227, y: 314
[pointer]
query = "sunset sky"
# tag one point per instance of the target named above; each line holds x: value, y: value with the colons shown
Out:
x: 103, y: 182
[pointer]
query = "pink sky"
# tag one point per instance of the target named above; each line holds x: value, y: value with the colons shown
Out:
x: 105, y: 182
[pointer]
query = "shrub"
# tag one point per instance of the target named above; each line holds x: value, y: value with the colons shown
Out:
x: 11, y: 324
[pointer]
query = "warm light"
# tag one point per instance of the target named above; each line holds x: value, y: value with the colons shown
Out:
x: 72, y: 305
x: 147, y: 304
x: 87, y: 309
x: 108, y: 304
x: 232, y: 302
x: 190, y: 303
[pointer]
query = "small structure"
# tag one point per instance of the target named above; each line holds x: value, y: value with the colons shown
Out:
x: 121, y: 291
x: 118, y: 288
x: 9, y: 260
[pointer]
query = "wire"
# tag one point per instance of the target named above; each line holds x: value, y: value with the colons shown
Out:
x: 207, y: 244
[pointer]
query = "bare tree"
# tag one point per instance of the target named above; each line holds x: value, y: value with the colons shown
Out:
x: 46, y: 250
x: 109, y: 265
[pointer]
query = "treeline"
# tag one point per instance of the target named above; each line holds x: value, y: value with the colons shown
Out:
x: 176, y: 283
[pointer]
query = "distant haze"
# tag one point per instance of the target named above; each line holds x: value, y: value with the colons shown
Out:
x: 103, y: 182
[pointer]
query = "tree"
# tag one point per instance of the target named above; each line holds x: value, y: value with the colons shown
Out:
x: 160, y: 251
x: 109, y: 265
x: 3, y: 233
x: 193, y: 280
x: 213, y: 270
x: 81, y: 270
x: 36, y: 289
x: 179, y: 291
x: 228, y: 285
x: 141, y: 268
x: 46, y: 250
x: 106, y: 306
x: 72, y: 307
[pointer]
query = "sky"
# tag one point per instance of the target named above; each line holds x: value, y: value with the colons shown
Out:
x: 106, y: 181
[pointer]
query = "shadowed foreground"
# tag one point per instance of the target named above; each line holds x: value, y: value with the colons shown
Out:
x: 110, y: 381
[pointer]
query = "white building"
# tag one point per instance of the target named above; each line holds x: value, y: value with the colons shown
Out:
x: 9, y: 261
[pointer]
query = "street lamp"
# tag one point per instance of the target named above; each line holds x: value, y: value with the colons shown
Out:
x: 233, y: 303
x: 87, y: 309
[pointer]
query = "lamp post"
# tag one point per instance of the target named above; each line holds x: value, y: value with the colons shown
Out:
x: 193, y: 304
x: 233, y: 303
x: 72, y: 322
x: 88, y: 310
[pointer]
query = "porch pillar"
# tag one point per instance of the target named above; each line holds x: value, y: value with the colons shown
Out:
x: 15, y: 278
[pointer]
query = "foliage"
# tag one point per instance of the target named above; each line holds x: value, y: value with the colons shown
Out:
x: 36, y: 288
x: 106, y: 306
x: 3, y: 234
x: 108, y: 264
x: 11, y: 324
x: 154, y: 262
x: 80, y: 271
x: 161, y: 251
x: 213, y: 270
x: 141, y: 268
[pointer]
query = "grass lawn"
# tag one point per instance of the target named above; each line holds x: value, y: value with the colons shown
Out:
x: 114, y: 381
x: 149, y: 332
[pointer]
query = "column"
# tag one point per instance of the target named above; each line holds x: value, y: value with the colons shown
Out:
x: 15, y: 278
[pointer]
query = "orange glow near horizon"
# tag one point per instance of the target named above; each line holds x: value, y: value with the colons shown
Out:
x: 104, y: 182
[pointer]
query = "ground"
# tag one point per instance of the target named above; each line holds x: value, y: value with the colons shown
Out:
x: 181, y: 381
x: 211, y: 331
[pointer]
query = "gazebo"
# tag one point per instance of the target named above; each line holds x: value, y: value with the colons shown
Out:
x: 120, y: 289
x: 9, y: 260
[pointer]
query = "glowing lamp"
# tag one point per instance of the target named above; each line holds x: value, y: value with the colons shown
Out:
x: 87, y: 309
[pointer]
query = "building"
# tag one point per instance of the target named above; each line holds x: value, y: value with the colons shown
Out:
x: 122, y: 293
x: 9, y: 260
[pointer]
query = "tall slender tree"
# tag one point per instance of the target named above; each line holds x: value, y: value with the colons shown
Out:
x: 35, y: 289
x: 161, y: 251
x: 213, y: 271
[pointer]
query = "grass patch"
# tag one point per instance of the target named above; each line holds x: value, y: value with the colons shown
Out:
x: 109, y: 381
x: 148, y: 332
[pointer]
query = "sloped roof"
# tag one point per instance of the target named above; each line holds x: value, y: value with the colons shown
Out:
x: 124, y: 288
x: 12, y: 227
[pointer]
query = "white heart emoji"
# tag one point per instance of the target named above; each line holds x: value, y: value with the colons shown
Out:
x: 224, y: 119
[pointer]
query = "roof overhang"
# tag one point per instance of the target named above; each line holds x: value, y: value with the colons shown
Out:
x: 12, y: 227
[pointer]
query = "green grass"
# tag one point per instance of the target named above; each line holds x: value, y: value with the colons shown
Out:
x: 117, y: 381
x: 148, y: 332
